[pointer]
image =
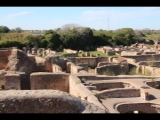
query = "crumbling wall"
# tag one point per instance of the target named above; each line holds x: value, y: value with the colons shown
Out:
x: 112, y: 69
x: 141, y: 107
x: 130, y: 53
x: 91, y: 61
x: 76, y: 68
x: 46, y: 80
x: 19, y: 61
x: 44, y: 101
x: 77, y: 89
x: 4, y: 55
x: 2, y: 80
x: 56, y: 68
x: 16, y: 80
x: 119, y: 93
x: 139, y: 58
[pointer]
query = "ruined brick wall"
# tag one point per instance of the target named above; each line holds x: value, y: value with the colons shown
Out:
x: 54, y: 81
x: 119, y: 93
x: 139, y: 58
x: 130, y: 53
x: 19, y: 61
x: 76, y: 68
x: 77, y: 89
x: 12, y: 81
x: 4, y: 54
x: 17, y: 81
x: 2, y: 74
x: 108, y: 85
x: 150, y: 63
x: 44, y: 101
x: 56, y: 68
x: 91, y: 61
x: 102, y: 59
x: 112, y: 69
x: 142, y: 107
x: 147, y: 70
x: 103, y: 63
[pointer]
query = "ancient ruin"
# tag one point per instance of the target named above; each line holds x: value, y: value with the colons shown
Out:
x: 38, y: 80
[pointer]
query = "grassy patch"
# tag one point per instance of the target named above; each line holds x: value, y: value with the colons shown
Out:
x: 107, y: 72
x: 133, y: 72
x: 101, y: 54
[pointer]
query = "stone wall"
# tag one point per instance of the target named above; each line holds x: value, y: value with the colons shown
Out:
x: 77, y: 89
x: 130, y: 53
x: 139, y: 58
x: 19, y: 61
x: 91, y: 61
x: 56, y: 68
x: 112, y: 69
x: 76, y: 68
x: 147, y: 70
x: 140, y: 107
x: 111, y: 85
x: 119, y: 93
x: 44, y: 101
x: 17, y: 81
x: 2, y: 74
x: 46, y: 80
x: 4, y: 55
x: 150, y: 63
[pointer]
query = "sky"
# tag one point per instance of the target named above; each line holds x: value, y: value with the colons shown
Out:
x: 106, y: 18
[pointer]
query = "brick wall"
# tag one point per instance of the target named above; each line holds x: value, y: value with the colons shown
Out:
x: 47, y: 80
x: 141, y: 107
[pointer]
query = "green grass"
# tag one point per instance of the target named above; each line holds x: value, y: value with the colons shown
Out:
x: 101, y: 54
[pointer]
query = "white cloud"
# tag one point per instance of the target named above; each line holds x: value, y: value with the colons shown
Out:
x: 120, y: 15
x: 12, y: 16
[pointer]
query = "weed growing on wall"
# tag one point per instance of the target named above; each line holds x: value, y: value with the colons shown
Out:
x: 107, y: 72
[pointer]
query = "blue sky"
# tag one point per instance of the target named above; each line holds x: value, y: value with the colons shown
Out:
x: 106, y: 18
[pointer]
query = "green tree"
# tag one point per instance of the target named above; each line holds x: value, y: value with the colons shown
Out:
x: 124, y: 36
x: 52, y: 38
x: 4, y: 29
x: 17, y: 30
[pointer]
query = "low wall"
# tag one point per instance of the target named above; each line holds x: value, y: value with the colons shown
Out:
x: 77, y: 89
x: 112, y: 69
x: 72, y: 68
x: 91, y: 61
x: 138, y: 58
x: 140, y: 107
x: 130, y: 53
x: 44, y: 101
x: 147, y: 70
x: 103, y: 63
x: 46, y: 80
x: 119, y: 93
x: 110, y: 85
x: 17, y: 81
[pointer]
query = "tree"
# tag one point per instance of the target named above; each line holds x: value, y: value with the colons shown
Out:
x: 4, y: 29
x: 17, y: 30
x: 53, y: 39
x: 140, y: 36
x: 30, y: 40
x: 124, y: 36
